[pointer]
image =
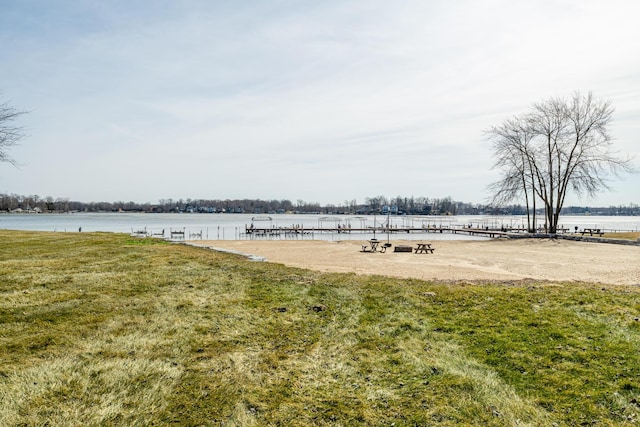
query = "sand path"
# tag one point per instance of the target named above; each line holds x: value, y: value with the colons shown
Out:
x: 501, y: 260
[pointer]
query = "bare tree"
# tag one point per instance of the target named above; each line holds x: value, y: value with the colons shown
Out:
x: 10, y: 134
x: 559, y: 145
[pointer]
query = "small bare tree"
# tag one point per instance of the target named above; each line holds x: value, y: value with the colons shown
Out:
x: 10, y: 134
x: 559, y: 145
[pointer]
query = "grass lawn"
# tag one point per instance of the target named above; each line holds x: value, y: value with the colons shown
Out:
x: 630, y: 235
x: 104, y: 329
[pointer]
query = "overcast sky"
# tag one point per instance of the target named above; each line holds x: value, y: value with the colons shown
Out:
x: 321, y: 101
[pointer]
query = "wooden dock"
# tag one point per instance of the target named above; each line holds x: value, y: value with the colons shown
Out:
x: 298, y: 231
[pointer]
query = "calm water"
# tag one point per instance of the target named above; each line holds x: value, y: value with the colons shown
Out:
x: 232, y: 226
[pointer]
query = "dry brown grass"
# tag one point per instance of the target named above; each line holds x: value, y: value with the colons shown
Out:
x: 626, y: 236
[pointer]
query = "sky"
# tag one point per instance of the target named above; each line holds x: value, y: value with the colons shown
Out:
x: 320, y: 101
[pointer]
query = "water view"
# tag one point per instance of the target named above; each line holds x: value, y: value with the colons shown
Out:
x: 352, y: 227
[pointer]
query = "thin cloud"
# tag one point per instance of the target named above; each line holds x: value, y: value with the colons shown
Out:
x: 321, y: 101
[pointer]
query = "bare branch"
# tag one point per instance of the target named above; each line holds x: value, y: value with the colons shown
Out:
x: 10, y: 134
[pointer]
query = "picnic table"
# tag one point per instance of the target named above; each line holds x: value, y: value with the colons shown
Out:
x: 373, y: 246
x: 592, y: 231
x: 424, y: 248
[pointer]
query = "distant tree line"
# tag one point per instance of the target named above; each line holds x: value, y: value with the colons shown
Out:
x: 398, y: 205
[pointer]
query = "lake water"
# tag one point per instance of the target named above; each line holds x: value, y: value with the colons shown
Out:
x: 232, y: 226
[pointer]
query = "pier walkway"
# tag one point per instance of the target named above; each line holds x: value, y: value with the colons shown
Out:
x: 252, y: 231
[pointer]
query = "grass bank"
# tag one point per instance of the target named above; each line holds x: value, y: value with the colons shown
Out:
x: 630, y: 235
x: 104, y: 329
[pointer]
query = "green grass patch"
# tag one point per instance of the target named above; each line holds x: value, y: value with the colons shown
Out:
x: 103, y: 329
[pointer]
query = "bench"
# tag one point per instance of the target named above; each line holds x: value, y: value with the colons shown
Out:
x: 402, y: 248
x: 176, y: 233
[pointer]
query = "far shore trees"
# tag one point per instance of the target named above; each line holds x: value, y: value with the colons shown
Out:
x: 559, y: 145
x: 10, y: 134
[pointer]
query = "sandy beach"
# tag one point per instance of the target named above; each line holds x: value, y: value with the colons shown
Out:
x: 460, y: 260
